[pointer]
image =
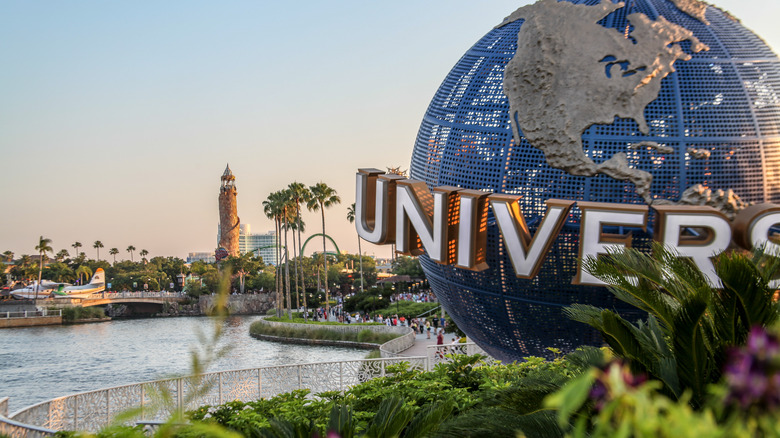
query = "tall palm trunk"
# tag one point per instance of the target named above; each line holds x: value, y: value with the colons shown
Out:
x: 295, y: 273
x: 325, y: 263
x: 40, y: 276
x: 360, y: 258
x: 279, y: 300
x: 300, y: 253
x: 287, y: 274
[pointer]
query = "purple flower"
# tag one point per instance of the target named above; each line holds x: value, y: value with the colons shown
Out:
x: 752, y: 372
x: 600, y: 391
x: 599, y: 394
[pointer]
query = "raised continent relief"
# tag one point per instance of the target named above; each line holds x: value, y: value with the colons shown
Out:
x: 694, y: 8
x: 565, y: 78
x: 726, y: 201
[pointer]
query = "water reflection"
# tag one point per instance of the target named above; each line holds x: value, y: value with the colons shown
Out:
x: 39, y: 363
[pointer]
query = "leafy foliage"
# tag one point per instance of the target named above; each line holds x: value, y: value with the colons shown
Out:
x: 286, y: 331
x: 642, y: 411
x: 455, y: 399
x: 690, y: 326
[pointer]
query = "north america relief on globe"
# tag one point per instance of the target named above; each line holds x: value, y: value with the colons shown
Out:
x: 563, y: 79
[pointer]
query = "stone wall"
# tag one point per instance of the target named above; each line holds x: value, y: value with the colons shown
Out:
x: 248, y: 304
x: 30, y: 322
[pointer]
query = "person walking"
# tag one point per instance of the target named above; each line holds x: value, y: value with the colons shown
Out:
x: 428, y: 328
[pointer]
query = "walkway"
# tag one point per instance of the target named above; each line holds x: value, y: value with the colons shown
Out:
x: 421, y: 343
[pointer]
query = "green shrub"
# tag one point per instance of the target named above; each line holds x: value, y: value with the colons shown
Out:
x: 690, y: 325
x: 463, y: 398
x: 71, y: 314
x: 285, y: 331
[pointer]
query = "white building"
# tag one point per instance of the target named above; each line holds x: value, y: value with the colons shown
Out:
x: 207, y: 257
x: 263, y: 245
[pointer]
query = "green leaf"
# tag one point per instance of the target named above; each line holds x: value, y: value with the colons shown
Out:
x: 571, y: 397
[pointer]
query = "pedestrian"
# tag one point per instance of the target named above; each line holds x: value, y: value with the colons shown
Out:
x: 440, y: 337
x: 428, y: 328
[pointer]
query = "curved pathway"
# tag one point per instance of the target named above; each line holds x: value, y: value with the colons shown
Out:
x: 421, y: 343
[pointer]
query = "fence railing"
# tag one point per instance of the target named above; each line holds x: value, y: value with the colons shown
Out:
x: 30, y: 313
x: 437, y: 354
x: 392, y: 347
x: 94, y: 409
x: 15, y: 429
x: 160, y: 294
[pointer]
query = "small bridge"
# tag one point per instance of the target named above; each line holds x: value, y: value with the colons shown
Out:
x: 141, y: 300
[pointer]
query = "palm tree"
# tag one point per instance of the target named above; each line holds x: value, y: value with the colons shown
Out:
x: 143, y: 253
x: 287, y: 219
x: 242, y: 265
x: 85, y: 271
x: 9, y: 256
x: 60, y: 272
x: 61, y: 255
x: 299, y: 194
x: 76, y: 247
x: 97, y: 245
x: 322, y: 197
x: 130, y: 249
x: 272, y: 207
x: 26, y: 263
x: 351, y: 219
x: 44, y: 246
x: 690, y: 326
x: 113, y: 252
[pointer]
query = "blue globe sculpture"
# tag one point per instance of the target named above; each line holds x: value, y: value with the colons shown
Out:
x: 715, y: 126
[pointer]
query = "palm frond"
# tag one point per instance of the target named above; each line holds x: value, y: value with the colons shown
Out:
x: 390, y: 419
x: 341, y: 421
x: 693, y: 362
x: 429, y: 419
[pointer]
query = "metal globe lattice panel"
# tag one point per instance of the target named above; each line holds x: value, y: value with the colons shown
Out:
x: 723, y: 104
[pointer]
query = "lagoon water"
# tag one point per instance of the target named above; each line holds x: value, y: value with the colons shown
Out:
x: 40, y: 363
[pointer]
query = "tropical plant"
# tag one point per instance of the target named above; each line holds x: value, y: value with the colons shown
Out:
x: 97, y: 245
x: 143, y: 253
x: 405, y: 265
x: 690, y: 325
x: 322, y: 197
x: 59, y: 271
x: 43, y: 246
x: 351, y: 219
x: 612, y: 401
x: 85, y: 271
x: 272, y: 207
x: 113, y: 252
x: 286, y: 209
x: 76, y: 247
x: 130, y: 249
x: 242, y: 265
x: 299, y: 194
x: 23, y: 268
x: 8, y: 255
x: 61, y: 255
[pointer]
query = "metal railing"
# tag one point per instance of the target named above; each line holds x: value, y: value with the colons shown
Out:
x: 392, y: 347
x: 15, y: 429
x: 94, y: 409
x: 437, y: 308
x: 437, y: 354
x: 161, y: 294
x: 30, y: 313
